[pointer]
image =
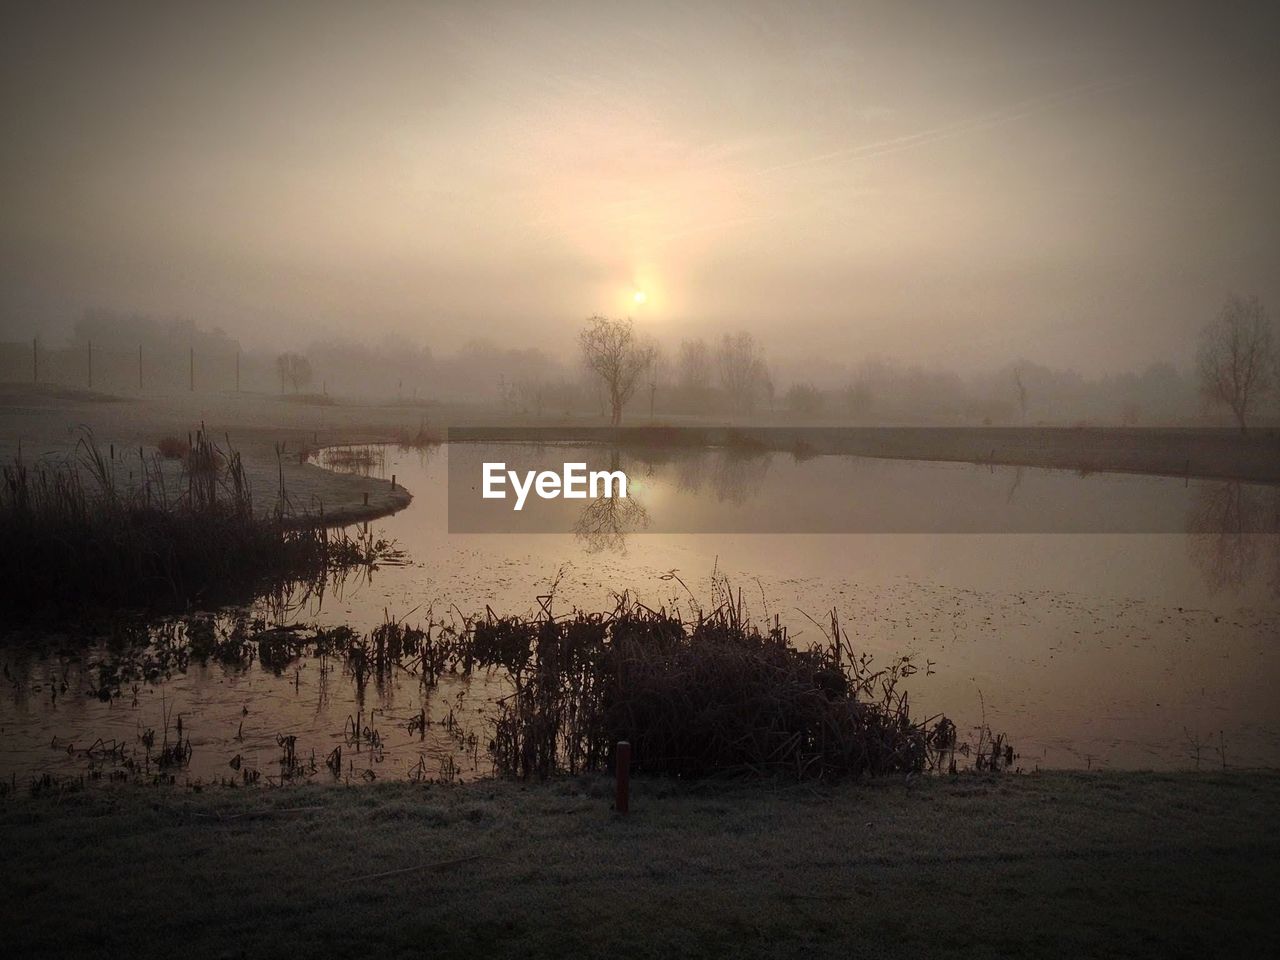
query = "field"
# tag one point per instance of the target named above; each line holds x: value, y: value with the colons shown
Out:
x: 1053, y: 865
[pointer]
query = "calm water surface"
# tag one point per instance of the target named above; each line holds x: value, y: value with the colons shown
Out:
x: 1120, y: 650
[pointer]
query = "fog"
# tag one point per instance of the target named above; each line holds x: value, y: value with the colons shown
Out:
x: 932, y: 201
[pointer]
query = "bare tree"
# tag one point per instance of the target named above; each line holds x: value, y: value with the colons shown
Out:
x: 1022, y: 392
x: 613, y: 352
x: 1235, y: 359
x: 294, y: 370
x: 531, y: 392
x: 742, y: 370
x: 858, y: 399
x: 693, y: 374
x: 654, y: 372
x: 804, y: 399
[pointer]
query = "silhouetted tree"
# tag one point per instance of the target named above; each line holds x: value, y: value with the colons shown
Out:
x: 294, y: 369
x: 653, y: 374
x: 742, y: 370
x: 857, y: 399
x: 1235, y: 360
x: 613, y: 352
x: 693, y: 374
x: 804, y: 398
x: 1022, y: 392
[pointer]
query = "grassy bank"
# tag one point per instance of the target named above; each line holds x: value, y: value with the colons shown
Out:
x: 1056, y: 864
x: 272, y: 435
x: 78, y: 538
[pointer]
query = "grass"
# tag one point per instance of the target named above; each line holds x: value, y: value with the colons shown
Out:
x: 1051, y: 865
x: 710, y: 695
x: 78, y: 537
x: 362, y: 458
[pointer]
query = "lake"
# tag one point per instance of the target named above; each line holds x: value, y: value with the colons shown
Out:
x: 1120, y: 648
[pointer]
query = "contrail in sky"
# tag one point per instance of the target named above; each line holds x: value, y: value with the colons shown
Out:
x: 956, y: 128
x: 1017, y: 111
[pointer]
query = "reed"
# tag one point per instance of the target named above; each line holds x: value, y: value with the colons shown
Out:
x: 78, y: 538
x: 715, y: 695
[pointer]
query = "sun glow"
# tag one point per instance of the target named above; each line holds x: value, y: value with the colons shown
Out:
x: 640, y: 297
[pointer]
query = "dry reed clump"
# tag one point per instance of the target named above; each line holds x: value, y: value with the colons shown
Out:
x: 78, y: 538
x: 713, y: 696
x: 362, y: 459
x: 423, y: 438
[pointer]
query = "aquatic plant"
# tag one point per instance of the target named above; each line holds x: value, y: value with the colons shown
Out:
x: 710, y: 696
x: 78, y: 536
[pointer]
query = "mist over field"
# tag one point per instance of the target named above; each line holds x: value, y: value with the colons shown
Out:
x: 911, y: 210
x: 651, y: 478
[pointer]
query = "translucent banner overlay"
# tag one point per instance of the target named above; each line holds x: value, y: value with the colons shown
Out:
x: 863, y: 480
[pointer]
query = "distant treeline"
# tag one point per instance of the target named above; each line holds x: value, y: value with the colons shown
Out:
x: 729, y: 377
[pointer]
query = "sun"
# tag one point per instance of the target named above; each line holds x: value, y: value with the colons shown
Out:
x: 640, y: 297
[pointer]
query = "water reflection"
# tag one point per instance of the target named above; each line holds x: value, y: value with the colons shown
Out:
x: 1233, y: 528
x: 728, y: 475
x: 606, y: 521
x: 1234, y: 534
x: 1089, y: 649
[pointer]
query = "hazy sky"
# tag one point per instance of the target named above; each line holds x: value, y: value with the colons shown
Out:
x: 952, y: 183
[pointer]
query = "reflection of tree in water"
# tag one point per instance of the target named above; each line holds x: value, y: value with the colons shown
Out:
x: 731, y: 475
x: 691, y: 471
x: 1234, y: 533
x: 605, y: 521
x: 736, y: 476
x: 1013, y: 487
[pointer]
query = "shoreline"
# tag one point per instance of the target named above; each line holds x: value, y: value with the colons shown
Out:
x: 272, y: 436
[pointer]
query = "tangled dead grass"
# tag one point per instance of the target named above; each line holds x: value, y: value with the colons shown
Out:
x: 77, y: 537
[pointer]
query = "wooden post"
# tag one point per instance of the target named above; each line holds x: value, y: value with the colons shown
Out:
x: 622, y: 770
x: 393, y: 481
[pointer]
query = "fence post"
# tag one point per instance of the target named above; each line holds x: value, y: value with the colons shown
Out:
x: 622, y: 770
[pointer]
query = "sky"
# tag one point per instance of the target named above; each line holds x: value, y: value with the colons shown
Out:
x: 953, y: 184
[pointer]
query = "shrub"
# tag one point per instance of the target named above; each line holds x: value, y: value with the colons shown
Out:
x: 711, y: 696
